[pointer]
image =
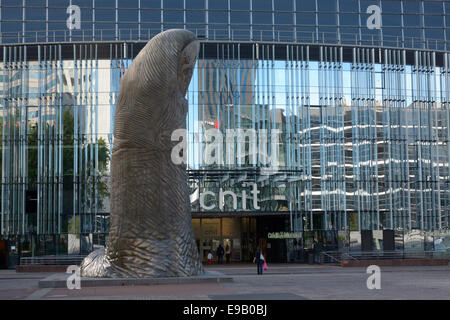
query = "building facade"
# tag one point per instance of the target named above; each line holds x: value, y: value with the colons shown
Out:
x: 311, y: 123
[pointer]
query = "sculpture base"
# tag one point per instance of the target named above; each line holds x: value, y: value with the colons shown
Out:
x: 59, y: 280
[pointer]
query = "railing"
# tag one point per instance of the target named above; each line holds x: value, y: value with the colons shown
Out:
x: 64, y: 260
x: 337, y: 257
x: 330, y: 257
x: 226, y: 34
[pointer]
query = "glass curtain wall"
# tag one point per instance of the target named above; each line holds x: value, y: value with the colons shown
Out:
x: 362, y: 143
x: 55, y: 148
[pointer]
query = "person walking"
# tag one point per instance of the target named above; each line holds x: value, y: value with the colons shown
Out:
x: 227, y: 254
x: 259, y: 260
x: 210, y: 257
x: 220, y: 253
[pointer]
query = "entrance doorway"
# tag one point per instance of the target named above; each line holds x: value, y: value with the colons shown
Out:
x: 275, y: 250
x: 212, y: 232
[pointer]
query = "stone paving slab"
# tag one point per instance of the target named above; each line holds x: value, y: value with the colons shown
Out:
x: 259, y: 296
x: 59, y: 280
x: 279, y: 282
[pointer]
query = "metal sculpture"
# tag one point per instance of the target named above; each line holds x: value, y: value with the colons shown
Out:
x: 151, y: 233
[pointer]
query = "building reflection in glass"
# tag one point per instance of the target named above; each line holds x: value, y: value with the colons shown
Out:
x: 363, y: 141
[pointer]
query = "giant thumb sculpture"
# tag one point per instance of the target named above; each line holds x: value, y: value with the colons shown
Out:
x: 151, y: 232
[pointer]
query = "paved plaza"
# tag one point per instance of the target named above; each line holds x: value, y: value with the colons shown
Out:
x: 280, y: 282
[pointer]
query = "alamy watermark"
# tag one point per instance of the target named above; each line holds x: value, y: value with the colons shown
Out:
x: 374, y: 21
x: 74, y: 20
x: 374, y: 280
x: 236, y: 147
x: 74, y: 280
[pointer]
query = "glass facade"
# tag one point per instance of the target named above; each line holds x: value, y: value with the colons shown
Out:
x: 315, y: 125
x: 406, y: 24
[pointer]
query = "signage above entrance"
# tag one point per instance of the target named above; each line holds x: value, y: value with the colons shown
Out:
x: 284, y: 235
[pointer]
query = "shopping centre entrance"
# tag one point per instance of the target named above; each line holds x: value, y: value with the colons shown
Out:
x: 243, y: 234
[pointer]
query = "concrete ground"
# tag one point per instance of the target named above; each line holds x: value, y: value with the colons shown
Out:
x: 280, y: 282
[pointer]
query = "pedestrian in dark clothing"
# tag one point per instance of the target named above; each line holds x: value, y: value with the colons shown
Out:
x: 220, y: 252
x: 259, y: 260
